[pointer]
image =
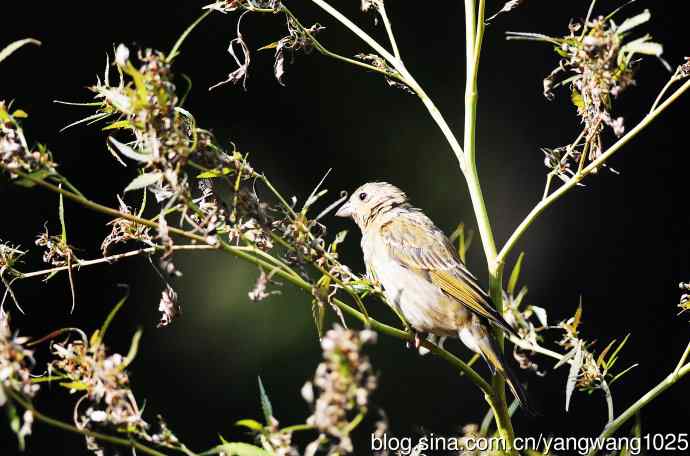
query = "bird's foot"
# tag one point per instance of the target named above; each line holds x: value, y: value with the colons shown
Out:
x: 417, y: 341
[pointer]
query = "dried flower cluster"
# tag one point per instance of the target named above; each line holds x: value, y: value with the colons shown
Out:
x: 342, y: 384
x: 597, y: 63
x: 107, y: 401
x: 587, y: 372
x: 57, y: 251
x: 15, y: 363
x: 15, y: 153
x: 125, y: 230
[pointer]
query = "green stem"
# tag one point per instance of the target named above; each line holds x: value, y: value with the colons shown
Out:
x: 665, y: 384
x: 404, y: 76
x: 174, y: 52
x: 129, y: 443
x: 298, y: 427
x: 474, y: 35
x: 389, y: 30
x: 589, y: 169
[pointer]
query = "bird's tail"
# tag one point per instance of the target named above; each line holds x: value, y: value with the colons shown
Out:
x: 494, y: 358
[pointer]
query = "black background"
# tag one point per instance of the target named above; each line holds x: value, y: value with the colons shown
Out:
x: 620, y: 242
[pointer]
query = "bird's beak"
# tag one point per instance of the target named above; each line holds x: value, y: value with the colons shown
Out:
x: 345, y: 210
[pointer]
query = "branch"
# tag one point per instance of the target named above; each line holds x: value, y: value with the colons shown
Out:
x: 389, y: 30
x: 404, y: 74
x: 665, y: 384
x: 110, y: 259
x: 592, y: 167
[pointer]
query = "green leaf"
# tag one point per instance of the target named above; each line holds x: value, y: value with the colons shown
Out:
x: 634, y: 21
x: 515, y: 274
x: 211, y: 173
x: 318, y: 312
x: 143, y: 181
x: 133, y: 349
x: 12, y: 47
x: 250, y: 424
x: 614, y: 356
x: 578, y: 101
x: 241, y: 449
x: 117, y: 125
x: 75, y: 385
x: 20, y: 114
x: 625, y: 371
x: 61, y: 214
x: 100, y: 334
x: 266, y: 406
x: 128, y: 152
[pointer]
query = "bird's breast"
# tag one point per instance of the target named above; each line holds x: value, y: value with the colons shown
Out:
x: 422, y: 303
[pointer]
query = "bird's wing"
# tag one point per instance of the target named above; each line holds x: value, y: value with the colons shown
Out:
x: 418, y: 244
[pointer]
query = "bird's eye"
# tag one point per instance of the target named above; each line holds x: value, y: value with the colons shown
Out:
x: 362, y: 196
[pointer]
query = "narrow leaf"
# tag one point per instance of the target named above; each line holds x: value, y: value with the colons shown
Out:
x: 540, y: 312
x: 61, y: 215
x: 12, y: 47
x: 266, y: 406
x: 634, y: 21
x: 211, y: 173
x: 572, y: 375
x: 143, y: 181
x: 625, y: 371
x: 109, y: 318
x: 128, y: 151
x: 515, y: 274
x: 133, y: 349
x: 600, y: 359
x: 250, y: 424
x: 614, y: 356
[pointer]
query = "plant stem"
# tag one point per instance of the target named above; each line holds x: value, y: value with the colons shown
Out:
x: 474, y: 35
x: 405, y: 77
x: 111, y: 258
x: 176, y: 48
x: 666, y: 383
x: 389, y: 30
x: 683, y: 358
x: 129, y: 443
x: 592, y: 167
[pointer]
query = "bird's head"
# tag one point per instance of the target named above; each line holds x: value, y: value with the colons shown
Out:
x: 371, y: 200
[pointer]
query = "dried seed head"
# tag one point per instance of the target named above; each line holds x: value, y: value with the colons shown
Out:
x: 343, y: 383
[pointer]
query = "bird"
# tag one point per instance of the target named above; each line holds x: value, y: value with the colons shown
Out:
x: 423, y: 277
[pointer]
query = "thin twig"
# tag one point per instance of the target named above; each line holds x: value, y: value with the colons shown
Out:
x: 111, y: 259
x: 594, y: 165
x: 389, y: 30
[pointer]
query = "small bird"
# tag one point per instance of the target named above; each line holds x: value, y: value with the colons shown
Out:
x: 423, y: 276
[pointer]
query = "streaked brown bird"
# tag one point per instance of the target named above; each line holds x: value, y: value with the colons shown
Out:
x: 423, y: 276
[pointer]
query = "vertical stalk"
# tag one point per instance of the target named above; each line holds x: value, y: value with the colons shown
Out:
x: 474, y: 33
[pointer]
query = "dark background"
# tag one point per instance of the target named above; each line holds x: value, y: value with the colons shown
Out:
x: 620, y: 243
